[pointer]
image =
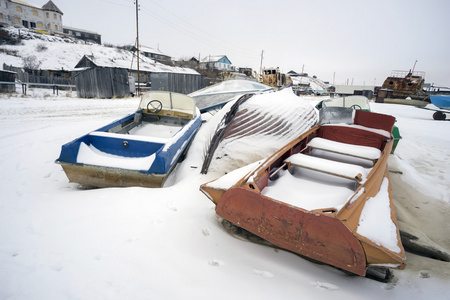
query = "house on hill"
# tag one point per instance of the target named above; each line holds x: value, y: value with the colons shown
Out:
x: 17, y: 13
x: 150, y: 53
x: 46, y: 19
x: 85, y: 35
x: 216, y: 62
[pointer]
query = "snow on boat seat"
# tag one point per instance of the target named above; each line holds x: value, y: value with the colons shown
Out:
x: 364, y: 152
x: 344, y: 170
x: 152, y: 139
x: 89, y: 155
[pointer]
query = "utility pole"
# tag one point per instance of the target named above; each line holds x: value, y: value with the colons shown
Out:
x: 137, y: 47
x: 260, y: 67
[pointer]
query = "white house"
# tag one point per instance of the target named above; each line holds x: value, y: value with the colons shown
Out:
x: 47, y: 18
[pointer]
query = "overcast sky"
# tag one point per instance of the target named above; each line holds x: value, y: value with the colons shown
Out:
x: 357, y: 41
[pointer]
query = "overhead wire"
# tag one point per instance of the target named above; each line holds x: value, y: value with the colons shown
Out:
x: 197, y: 28
x: 225, y: 47
x: 201, y: 38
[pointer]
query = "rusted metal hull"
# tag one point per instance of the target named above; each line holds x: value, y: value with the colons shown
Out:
x: 403, y: 84
x: 417, y: 103
x: 311, y: 234
x: 326, y: 234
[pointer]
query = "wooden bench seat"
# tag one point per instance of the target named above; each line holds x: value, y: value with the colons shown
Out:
x: 344, y: 170
x: 363, y: 152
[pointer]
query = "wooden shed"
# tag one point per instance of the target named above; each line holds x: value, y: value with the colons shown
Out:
x: 7, y: 76
x: 102, y: 82
x: 177, y: 82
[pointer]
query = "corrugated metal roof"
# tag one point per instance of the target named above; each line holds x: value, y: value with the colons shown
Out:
x: 145, y: 64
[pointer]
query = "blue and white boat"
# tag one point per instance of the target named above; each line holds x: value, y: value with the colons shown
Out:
x: 443, y: 103
x: 140, y: 149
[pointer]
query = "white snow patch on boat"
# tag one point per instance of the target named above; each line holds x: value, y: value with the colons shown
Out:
x: 355, y: 150
x: 375, y: 222
x: 230, y: 179
x: 90, y: 155
x: 301, y: 190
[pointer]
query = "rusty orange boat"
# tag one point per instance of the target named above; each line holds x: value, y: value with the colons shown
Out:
x: 325, y: 195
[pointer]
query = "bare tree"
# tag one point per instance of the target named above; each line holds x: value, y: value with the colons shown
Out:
x: 31, y: 62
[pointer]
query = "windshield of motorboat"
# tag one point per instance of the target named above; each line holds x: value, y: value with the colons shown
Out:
x: 336, y: 115
x: 170, y: 101
x: 355, y: 102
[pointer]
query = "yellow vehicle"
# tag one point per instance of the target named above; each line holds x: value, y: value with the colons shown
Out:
x: 273, y: 77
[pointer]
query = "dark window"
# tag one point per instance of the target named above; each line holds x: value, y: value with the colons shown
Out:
x: 32, y: 25
x: 25, y: 24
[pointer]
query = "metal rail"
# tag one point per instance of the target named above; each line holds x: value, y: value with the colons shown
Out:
x: 26, y: 84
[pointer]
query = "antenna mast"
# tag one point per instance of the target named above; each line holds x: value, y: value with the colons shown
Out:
x: 414, y: 67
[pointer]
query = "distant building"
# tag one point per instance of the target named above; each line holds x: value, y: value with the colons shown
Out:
x: 216, y: 62
x: 194, y: 60
x: 152, y: 75
x: 151, y: 53
x: 46, y: 19
x: 295, y: 74
x: 347, y: 90
x: 84, y: 35
x: 246, y: 71
x: 17, y: 13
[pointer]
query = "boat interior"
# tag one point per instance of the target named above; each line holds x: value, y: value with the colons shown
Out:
x: 335, y: 160
x: 160, y: 114
x: 146, y: 123
x: 320, y: 177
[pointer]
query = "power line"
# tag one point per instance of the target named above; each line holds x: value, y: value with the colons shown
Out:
x: 205, y: 38
x: 199, y: 28
x: 197, y: 37
x: 116, y: 3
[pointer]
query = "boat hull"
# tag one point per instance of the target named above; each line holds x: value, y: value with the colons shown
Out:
x: 441, y: 101
x: 411, y: 102
x: 95, y: 176
x: 317, y: 236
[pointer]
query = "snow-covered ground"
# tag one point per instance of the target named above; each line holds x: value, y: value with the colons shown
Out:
x: 61, y: 242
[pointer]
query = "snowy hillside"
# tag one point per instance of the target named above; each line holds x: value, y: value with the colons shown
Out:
x: 56, y: 53
x: 62, y: 242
